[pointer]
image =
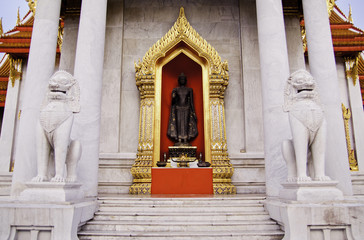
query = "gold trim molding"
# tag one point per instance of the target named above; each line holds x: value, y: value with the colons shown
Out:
x: 182, y: 38
x: 351, y: 153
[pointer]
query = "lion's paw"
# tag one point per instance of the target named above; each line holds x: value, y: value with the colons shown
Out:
x: 292, y: 179
x: 58, y: 178
x: 304, y: 179
x: 322, y: 178
x: 71, y: 179
x: 39, y: 178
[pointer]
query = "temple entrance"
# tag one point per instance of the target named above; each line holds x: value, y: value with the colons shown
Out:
x: 182, y: 49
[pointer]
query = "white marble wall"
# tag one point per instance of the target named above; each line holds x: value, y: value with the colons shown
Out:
x: 129, y: 36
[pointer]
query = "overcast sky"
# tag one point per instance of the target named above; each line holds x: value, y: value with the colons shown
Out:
x: 9, y: 8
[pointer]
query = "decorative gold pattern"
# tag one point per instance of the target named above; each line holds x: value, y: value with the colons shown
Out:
x: 351, y: 68
x: 141, y: 169
x: 330, y: 6
x: 32, y: 5
x: 3, y: 85
x: 15, y: 70
x: 351, y: 153
x: 215, y: 81
x: 181, y: 31
x: 60, y: 35
x: 304, y: 39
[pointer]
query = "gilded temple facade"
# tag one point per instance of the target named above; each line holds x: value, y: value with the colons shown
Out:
x: 241, y: 53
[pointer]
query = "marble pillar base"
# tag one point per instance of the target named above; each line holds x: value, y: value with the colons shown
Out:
x: 51, y: 192
x: 318, y: 221
x: 39, y: 221
x: 313, y: 192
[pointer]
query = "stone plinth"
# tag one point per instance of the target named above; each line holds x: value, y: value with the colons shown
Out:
x: 313, y: 192
x: 319, y: 221
x: 39, y: 221
x: 51, y: 192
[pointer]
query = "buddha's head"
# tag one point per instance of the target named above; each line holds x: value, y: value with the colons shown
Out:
x: 182, y: 79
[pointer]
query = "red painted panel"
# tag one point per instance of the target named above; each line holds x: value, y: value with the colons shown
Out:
x: 182, y: 181
x: 170, y: 74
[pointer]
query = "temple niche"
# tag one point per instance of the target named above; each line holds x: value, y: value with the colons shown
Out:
x: 182, y: 49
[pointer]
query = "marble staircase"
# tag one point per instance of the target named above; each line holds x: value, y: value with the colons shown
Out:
x: 163, y: 217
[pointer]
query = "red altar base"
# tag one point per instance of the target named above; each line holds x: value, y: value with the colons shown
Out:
x: 182, y: 181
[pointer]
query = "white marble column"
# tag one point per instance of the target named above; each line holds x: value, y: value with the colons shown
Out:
x: 274, y: 69
x: 41, y: 63
x: 294, y: 43
x: 70, y: 32
x: 323, y: 69
x: 357, y: 115
x: 88, y: 71
x: 8, y: 124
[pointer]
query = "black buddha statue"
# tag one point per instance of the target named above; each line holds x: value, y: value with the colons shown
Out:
x: 182, y: 126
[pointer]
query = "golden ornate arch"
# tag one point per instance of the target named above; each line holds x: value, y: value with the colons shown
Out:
x: 148, y: 80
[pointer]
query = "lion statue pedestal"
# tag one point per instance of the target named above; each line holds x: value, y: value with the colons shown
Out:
x: 305, y: 153
x: 57, y: 153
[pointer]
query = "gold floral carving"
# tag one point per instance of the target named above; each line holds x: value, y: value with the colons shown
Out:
x: 181, y: 31
x: 351, y: 66
x: 351, y: 153
x: 217, y: 79
x: 15, y: 70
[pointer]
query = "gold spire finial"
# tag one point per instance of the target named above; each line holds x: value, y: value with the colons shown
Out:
x: 18, y: 17
x: 181, y: 12
x: 1, y: 26
x: 350, y: 17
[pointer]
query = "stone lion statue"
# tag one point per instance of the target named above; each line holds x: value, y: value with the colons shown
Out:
x: 55, y: 149
x: 305, y: 153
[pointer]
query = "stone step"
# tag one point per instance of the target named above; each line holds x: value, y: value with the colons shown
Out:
x: 138, y: 226
x: 193, y: 208
x: 191, y: 217
x: 180, y: 202
x: 232, y: 235
x: 229, y: 217
x: 182, y: 197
